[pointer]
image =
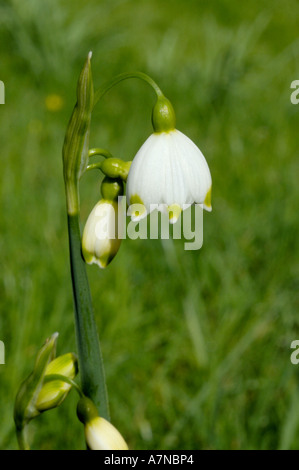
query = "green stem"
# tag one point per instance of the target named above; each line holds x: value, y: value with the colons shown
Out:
x: 94, y: 166
x: 22, y: 439
x: 102, y: 153
x: 89, y: 353
x: 99, y: 151
x: 124, y: 76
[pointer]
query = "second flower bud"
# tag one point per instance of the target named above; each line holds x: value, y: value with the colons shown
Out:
x: 100, y: 241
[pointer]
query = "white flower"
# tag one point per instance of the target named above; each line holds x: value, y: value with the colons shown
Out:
x: 100, y: 241
x: 99, y: 433
x: 102, y: 435
x: 170, y: 171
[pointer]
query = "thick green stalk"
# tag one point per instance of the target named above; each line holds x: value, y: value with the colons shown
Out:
x: 22, y: 439
x: 89, y: 353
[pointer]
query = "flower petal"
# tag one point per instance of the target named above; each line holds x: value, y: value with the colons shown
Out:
x: 102, y: 435
x: 169, y: 169
x: 100, y: 241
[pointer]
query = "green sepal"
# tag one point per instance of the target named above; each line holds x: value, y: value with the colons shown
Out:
x: 76, y: 143
x: 25, y: 404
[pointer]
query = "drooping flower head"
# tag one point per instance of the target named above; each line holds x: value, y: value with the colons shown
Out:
x: 100, y: 241
x: 169, y: 170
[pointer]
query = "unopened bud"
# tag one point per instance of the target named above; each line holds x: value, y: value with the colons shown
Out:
x: 54, y: 392
x: 100, y: 240
x: 25, y: 403
x: 99, y: 433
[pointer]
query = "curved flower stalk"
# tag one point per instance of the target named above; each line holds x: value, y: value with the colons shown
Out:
x: 169, y: 172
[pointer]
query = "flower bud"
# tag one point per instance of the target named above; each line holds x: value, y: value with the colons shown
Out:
x: 103, y: 230
x: 100, y: 241
x: 25, y: 403
x: 55, y: 391
x: 99, y: 433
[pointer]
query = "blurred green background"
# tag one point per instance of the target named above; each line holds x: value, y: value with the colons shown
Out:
x: 196, y: 344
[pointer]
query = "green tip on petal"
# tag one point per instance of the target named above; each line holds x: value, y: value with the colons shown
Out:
x: 174, y: 213
x: 135, y: 199
x: 208, y: 200
x: 102, y: 261
x: 137, y: 208
x: 88, y: 257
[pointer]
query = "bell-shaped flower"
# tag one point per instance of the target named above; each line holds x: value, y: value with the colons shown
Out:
x: 103, y: 230
x: 169, y: 172
x: 100, y: 434
x: 100, y: 241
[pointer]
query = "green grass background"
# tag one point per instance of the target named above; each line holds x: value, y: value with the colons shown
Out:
x: 196, y: 344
